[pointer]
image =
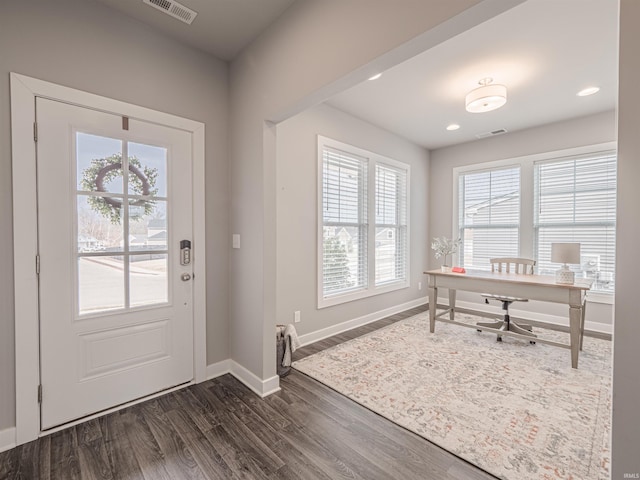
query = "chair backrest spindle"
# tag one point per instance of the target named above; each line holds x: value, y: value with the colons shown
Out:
x: 523, y: 266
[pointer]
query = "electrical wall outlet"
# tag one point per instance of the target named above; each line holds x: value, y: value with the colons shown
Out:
x: 419, y: 285
x: 296, y: 316
x: 235, y: 240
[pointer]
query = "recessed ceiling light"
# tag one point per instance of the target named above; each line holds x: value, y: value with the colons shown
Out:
x: 453, y: 126
x: 376, y: 76
x: 588, y: 91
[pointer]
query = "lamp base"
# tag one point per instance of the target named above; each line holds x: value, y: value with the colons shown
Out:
x: 565, y: 276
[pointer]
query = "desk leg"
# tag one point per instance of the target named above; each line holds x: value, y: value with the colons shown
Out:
x: 433, y: 299
x: 575, y: 319
x: 452, y: 303
x: 584, y: 312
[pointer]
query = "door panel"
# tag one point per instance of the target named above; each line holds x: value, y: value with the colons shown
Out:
x: 109, y: 351
x: 116, y: 319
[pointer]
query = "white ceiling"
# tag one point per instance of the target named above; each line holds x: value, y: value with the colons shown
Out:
x: 544, y: 51
x: 222, y: 27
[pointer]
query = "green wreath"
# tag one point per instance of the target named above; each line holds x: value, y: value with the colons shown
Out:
x: 142, y: 181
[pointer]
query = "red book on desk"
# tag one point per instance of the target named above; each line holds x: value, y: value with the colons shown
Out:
x: 458, y: 270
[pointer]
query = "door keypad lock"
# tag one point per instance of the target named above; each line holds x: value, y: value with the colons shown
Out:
x: 185, y: 252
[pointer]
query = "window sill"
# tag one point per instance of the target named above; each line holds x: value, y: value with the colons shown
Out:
x: 360, y: 294
x: 600, y: 297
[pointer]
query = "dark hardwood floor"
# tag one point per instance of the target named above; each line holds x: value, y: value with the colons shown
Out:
x: 219, y: 429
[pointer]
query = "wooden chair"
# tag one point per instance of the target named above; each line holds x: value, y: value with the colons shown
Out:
x: 512, y: 265
x: 522, y: 266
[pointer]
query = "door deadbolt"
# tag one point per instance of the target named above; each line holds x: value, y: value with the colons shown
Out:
x: 185, y: 277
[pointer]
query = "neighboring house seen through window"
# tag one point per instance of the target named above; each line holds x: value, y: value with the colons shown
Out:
x: 363, y: 215
x: 489, y: 215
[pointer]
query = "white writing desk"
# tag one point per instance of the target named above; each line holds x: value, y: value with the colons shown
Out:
x: 533, y: 287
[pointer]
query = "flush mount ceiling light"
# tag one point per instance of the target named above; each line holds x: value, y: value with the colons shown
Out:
x: 376, y: 76
x: 453, y: 126
x: 487, y: 97
x: 588, y: 91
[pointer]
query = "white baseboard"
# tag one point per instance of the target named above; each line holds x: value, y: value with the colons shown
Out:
x: 218, y: 369
x: 327, y: 332
x: 260, y: 387
x: 555, y: 320
x: 7, y: 439
x: 272, y: 385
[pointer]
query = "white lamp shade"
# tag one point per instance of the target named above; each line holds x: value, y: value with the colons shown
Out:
x: 486, y: 98
x: 565, y: 253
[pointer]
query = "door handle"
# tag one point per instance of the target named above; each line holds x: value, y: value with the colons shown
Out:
x: 185, y: 277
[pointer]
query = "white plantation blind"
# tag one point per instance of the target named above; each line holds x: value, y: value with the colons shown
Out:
x: 344, y: 221
x: 575, y: 201
x: 391, y: 244
x: 363, y: 216
x: 489, y: 215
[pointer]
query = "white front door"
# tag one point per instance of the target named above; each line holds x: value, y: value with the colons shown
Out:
x: 116, y: 313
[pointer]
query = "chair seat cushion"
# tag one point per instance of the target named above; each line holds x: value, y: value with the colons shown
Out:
x: 504, y: 298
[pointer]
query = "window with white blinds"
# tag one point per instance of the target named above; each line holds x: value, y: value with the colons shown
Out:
x: 391, y: 224
x: 489, y: 215
x: 358, y: 257
x: 575, y: 201
x: 519, y: 207
x: 344, y: 221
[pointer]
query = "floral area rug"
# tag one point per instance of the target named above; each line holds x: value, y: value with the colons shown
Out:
x: 516, y: 410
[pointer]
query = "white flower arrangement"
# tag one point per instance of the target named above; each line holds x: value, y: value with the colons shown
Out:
x: 443, y: 247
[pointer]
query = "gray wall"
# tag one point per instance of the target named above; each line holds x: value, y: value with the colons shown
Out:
x: 315, y: 49
x: 296, y: 183
x: 626, y: 352
x: 590, y: 130
x: 87, y: 46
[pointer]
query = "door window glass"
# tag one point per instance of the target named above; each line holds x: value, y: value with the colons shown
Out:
x: 100, y: 284
x: 123, y: 214
x: 151, y: 160
x: 99, y: 163
x: 148, y: 279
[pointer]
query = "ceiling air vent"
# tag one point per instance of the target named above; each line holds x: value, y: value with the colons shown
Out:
x: 175, y: 9
x: 500, y: 131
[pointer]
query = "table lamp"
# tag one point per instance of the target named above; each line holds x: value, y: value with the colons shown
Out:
x: 565, y: 253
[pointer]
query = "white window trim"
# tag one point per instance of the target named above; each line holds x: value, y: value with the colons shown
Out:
x: 371, y: 289
x: 526, y: 164
x: 24, y: 90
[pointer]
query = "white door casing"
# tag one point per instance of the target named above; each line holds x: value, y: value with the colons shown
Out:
x: 24, y: 91
x: 115, y: 316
